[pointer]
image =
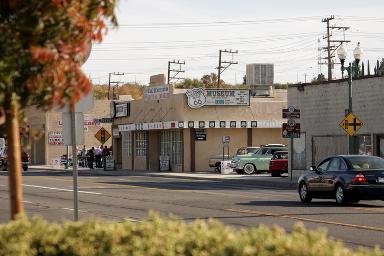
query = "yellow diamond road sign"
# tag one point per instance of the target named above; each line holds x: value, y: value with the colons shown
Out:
x: 351, y: 124
x: 102, y: 135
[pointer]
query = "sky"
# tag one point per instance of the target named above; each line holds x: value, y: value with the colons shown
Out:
x: 284, y: 33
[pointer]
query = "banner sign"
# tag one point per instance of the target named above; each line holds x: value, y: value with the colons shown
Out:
x: 198, y: 97
x: 158, y: 92
x: 55, y: 138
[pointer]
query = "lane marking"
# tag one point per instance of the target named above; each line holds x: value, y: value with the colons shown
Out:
x: 132, y: 220
x: 28, y: 202
x: 71, y: 209
x: 379, y: 210
x: 62, y: 189
x: 268, y: 214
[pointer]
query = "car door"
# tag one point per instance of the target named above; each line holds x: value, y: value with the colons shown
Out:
x: 329, y: 177
x: 315, y: 179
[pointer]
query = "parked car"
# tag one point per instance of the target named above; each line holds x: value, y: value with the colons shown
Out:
x: 256, y: 161
x: 346, y: 178
x: 25, y: 160
x: 278, y: 163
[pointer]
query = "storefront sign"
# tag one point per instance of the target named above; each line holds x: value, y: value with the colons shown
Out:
x: 55, y: 138
x: 122, y: 109
x: 164, y: 163
x: 198, y: 97
x: 201, y: 134
x: 156, y: 92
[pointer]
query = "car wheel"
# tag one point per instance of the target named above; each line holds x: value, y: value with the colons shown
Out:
x: 304, y: 193
x: 239, y: 171
x: 340, y: 195
x: 249, y: 169
x: 275, y: 174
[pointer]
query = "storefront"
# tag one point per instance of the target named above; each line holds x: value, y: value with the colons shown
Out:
x: 185, y: 129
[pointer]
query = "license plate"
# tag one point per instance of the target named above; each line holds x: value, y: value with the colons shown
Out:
x: 380, y: 179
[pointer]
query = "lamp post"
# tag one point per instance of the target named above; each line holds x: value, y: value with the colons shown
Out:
x: 342, y: 54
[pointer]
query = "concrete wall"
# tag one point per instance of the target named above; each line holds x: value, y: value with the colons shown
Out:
x: 323, y: 108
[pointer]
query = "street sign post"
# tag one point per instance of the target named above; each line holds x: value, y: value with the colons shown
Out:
x: 351, y: 124
x: 291, y: 130
x: 226, y: 140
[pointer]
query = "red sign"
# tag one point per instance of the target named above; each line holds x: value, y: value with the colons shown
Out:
x: 291, y: 131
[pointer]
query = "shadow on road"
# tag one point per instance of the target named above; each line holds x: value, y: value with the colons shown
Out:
x: 323, y: 204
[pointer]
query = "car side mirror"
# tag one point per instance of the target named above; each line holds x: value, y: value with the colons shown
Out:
x: 313, y: 168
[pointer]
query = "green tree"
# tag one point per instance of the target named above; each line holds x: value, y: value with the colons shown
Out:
x: 210, y: 81
x: 190, y: 83
x: 320, y: 78
x: 42, y: 45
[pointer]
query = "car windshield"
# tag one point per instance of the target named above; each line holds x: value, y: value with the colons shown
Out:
x: 244, y: 151
x: 366, y: 162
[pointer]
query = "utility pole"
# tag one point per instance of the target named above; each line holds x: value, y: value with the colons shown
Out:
x: 116, y: 83
x: 220, y: 68
x: 332, y: 45
x: 175, y: 71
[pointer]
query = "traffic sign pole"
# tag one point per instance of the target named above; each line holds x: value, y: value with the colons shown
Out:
x: 74, y: 164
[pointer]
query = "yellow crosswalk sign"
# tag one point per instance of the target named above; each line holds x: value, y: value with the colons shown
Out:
x: 351, y: 124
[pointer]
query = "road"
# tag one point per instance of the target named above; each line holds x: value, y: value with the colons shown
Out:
x: 234, y: 202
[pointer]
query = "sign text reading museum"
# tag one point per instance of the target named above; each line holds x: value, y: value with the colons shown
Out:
x: 198, y: 97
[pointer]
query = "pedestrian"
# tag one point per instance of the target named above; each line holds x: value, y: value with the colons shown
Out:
x: 98, y: 157
x: 83, y: 155
x: 91, y: 155
x: 104, y: 154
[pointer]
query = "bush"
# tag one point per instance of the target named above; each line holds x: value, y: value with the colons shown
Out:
x: 163, y: 237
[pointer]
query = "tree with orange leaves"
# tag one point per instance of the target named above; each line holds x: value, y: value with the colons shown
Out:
x: 42, y: 43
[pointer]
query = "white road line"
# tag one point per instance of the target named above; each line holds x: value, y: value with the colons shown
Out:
x: 132, y: 220
x: 28, y: 202
x: 70, y: 209
x: 62, y: 189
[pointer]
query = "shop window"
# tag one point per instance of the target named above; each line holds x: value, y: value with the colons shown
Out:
x: 141, y: 143
x: 127, y: 144
x: 365, y: 145
x: 171, y: 144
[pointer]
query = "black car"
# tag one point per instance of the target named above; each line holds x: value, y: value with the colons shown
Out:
x: 346, y: 178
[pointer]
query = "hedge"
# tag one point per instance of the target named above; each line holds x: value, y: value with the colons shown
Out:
x: 164, y: 237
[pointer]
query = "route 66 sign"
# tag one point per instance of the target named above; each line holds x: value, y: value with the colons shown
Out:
x: 196, y: 97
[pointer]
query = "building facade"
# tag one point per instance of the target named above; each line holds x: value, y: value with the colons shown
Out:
x: 46, y: 131
x: 170, y: 127
x: 323, y: 107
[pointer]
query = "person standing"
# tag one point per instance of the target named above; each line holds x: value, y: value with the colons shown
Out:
x: 91, y: 154
x: 104, y: 154
x: 83, y: 155
x: 98, y: 157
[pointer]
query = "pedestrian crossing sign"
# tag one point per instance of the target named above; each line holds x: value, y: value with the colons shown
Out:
x: 351, y: 124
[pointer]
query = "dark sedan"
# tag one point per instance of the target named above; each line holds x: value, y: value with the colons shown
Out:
x: 346, y: 178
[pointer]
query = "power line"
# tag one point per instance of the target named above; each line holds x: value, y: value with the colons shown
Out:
x: 220, y: 68
x: 174, y: 71
x: 332, y: 45
x: 115, y: 83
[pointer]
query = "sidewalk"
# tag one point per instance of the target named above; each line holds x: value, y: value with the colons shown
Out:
x: 259, y: 179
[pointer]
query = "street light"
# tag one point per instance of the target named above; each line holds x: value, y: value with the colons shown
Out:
x: 342, y: 54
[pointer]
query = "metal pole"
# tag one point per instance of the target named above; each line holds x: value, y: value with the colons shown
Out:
x: 219, y: 70
x: 350, y: 138
x: 74, y: 163
x: 291, y: 158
